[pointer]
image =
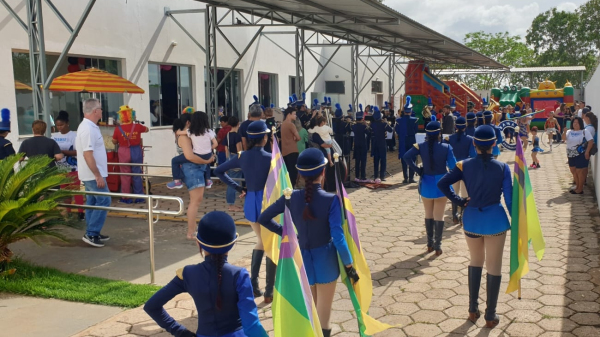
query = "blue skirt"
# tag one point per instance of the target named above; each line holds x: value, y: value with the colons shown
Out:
x: 537, y: 149
x: 428, y: 186
x: 321, y: 264
x: 496, y: 150
x: 486, y: 221
x: 253, y: 205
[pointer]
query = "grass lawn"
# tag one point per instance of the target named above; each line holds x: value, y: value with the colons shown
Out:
x: 32, y: 280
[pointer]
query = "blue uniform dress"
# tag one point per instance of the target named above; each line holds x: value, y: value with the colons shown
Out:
x: 255, y: 164
x: 6, y: 148
x: 462, y: 147
x: 431, y: 175
x: 406, y: 129
x: 379, y: 150
x: 536, y: 145
x: 321, y: 239
x: 361, y: 136
x: 238, y: 316
x: 484, y: 215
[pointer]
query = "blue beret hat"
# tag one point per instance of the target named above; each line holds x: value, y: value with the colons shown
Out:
x: 216, y: 232
x: 484, y: 135
x: 311, y: 162
x: 360, y: 115
x: 257, y: 129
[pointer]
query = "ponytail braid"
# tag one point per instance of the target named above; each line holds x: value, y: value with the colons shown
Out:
x: 459, y: 133
x: 485, y: 155
x: 219, y: 260
x: 308, y: 192
x: 431, y: 142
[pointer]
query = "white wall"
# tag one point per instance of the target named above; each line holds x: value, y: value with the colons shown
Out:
x: 592, y: 98
x: 137, y: 32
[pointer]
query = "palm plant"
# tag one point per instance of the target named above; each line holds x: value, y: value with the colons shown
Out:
x: 28, y: 205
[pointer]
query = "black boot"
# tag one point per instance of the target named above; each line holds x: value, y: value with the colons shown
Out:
x: 493, y: 290
x: 429, y: 230
x: 474, y: 285
x: 257, y: 256
x: 438, y: 231
x: 326, y: 332
x: 271, y: 272
x: 455, y: 213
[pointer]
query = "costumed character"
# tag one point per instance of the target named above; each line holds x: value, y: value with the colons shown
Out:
x: 406, y: 130
x: 255, y: 164
x: 484, y: 219
x: 471, y: 119
x: 462, y: 148
x: 378, y: 150
x: 487, y: 119
x: 362, y: 135
x: 128, y: 136
x: 6, y: 147
x: 222, y: 292
x: 318, y: 219
x: 436, y: 157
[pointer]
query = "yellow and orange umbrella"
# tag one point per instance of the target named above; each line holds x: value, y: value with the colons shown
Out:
x: 94, y: 80
x: 22, y: 86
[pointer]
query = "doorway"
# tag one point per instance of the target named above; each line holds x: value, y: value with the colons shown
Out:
x: 379, y: 100
x: 170, y: 90
x: 229, y: 94
x: 267, y: 89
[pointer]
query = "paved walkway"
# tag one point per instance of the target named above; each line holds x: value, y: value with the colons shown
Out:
x: 428, y: 295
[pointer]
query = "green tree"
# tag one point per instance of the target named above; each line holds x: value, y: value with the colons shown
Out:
x: 502, y: 47
x: 557, y: 39
x: 589, y: 23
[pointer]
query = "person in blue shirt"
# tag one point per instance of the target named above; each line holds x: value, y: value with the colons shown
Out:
x: 487, y: 119
x: 221, y: 292
x: 255, y: 163
x: 471, y: 118
x: 318, y: 219
x: 406, y: 129
x: 6, y: 147
x: 436, y: 157
x: 484, y: 220
x: 379, y: 149
x: 463, y: 148
x: 362, y: 134
x: 479, y: 117
x: 453, y: 110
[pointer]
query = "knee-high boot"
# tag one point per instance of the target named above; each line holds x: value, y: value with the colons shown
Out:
x: 455, y: 213
x: 474, y: 285
x: 271, y: 272
x: 439, y: 230
x: 493, y: 290
x: 257, y: 256
x: 326, y: 332
x: 429, y: 229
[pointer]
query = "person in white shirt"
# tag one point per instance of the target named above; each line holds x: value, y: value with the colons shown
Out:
x: 579, y: 143
x: 325, y: 132
x: 93, y: 170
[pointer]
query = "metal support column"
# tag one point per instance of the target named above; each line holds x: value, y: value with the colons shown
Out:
x: 210, y: 28
x: 392, y: 80
x: 354, y: 75
x: 300, y: 62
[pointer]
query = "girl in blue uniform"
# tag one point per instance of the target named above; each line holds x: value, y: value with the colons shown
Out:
x: 221, y: 292
x: 462, y: 148
x: 484, y: 220
x: 436, y: 157
x: 379, y: 150
x: 479, y: 117
x: 471, y: 119
x: 487, y: 119
x: 318, y: 219
x: 536, y: 148
x: 255, y: 163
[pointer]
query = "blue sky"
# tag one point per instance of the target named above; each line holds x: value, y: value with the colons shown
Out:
x: 455, y: 18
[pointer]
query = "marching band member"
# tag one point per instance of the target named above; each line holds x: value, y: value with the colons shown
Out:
x: 255, y: 163
x: 436, y: 157
x: 362, y: 135
x: 453, y: 110
x: 471, y: 118
x: 318, y: 219
x: 487, y: 119
x: 479, y: 117
x: 406, y: 129
x: 379, y: 151
x: 484, y: 220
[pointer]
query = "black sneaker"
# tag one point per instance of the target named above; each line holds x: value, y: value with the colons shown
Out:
x: 412, y: 181
x: 93, y: 241
x: 81, y: 216
x: 405, y: 181
x: 103, y: 238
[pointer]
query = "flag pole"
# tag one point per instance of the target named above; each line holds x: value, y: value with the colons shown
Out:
x: 519, y: 295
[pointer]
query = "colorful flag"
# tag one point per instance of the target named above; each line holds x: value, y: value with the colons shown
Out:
x: 360, y: 292
x: 277, y: 181
x: 294, y: 312
x: 525, y: 224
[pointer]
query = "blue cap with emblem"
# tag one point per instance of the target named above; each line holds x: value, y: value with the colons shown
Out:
x: 360, y: 115
x: 485, y: 103
x: 315, y: 103
x: 311, y: 162
x: 360, y: 108
x: 429, y: 102
x: 216, y: 232
x: 338, y: 110
x: 433, y: 128
x: 461, y: 123
x: 484, y: 135
x: 5, y: 123
x: 257, y: 129
x: 408, y: 106
x: 453, y: 103
x: 376, y: 113
x: 301, y: 103
x: 350, y: 108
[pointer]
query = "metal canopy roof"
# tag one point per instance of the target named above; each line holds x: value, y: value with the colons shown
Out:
x: 511, y: 70
x: 364, y: 22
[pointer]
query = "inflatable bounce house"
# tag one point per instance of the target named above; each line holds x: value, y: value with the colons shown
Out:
x: 421, y: 84
x: 546, y: 98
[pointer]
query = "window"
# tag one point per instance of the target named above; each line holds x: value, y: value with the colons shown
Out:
x: 229, y: 95
x: 292, y: 85
x: 376, y: 87
x: 68, y: 101
x: 170, y: 89
x: 335, y: 87
x: 267, y: 89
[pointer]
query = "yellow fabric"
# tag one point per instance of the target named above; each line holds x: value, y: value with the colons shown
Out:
x: 459, y: 165
x: 416, y: 145
x: 179, y: 273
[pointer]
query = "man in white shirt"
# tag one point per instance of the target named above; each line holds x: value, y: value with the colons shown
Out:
x: 93, y: 170
x: 580, y: 111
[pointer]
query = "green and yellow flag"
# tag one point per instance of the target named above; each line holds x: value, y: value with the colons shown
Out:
x: 525, y: 224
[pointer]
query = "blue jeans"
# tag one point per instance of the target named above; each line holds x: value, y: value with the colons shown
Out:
x: 231, y: 192
x: 179, y: 160
x: 95, y: 218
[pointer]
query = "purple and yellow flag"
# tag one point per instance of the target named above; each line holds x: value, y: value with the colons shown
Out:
x: 277, y: 181
x: 361, y: 292
x: 525, y: 224
x: 294, y: 312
